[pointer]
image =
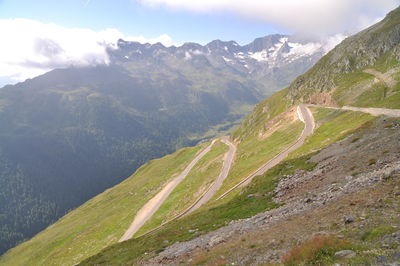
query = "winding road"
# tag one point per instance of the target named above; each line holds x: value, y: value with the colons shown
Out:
x: 216, y: 185
x: 145, y: 213
x: 367, y: 110
x: 373, y: 111
x: 386, y: 78
x: 304, y: 114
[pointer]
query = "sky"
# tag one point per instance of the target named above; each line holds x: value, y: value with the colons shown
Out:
x: 41, y: 35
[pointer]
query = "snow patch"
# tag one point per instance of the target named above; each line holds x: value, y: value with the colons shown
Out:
x: 188, y: 56
x: 300, y: 50
x: 227, y: 59
x: 239, y: 55
x: 271, y: 54
x: 196, y: 52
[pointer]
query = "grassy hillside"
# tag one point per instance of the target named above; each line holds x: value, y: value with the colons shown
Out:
x: 241, y: 205
x: 102, y: 220
x: 332, y: 126
x: 253, y: 152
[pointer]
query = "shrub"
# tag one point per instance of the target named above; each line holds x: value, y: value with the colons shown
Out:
x: 378, y: 232
x: 320, y: 249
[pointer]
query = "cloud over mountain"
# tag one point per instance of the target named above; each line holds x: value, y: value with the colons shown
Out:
x: 31, y: 48
x: 309, y: 17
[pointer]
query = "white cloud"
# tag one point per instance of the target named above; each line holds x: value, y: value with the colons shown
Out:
x: 164, y: 39
x: 30, y: 48
x: 310, y: 17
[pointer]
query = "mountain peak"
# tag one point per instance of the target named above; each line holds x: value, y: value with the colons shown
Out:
x: 262, y: 43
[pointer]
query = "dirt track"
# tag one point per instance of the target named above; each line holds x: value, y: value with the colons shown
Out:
x: 304, y: 114
x: 145, y: 213
x: 228, y: 160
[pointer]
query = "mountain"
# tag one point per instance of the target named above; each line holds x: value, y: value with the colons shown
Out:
x: 334, y: 199
x: 361, y: 71
x: 270, y: 63
x: 72, y: 133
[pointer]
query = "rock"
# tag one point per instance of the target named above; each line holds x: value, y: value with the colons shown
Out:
x: 191, y: 231
x: 345, y: 254
x: 308, y: 200
x: 349, y: 178
x: 215, y: 240
x: 349, y: 219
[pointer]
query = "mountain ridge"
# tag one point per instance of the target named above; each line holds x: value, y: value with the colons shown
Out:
x: 260, y: 59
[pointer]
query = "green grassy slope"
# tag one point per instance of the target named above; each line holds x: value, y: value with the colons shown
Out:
x: 364, y: 90
x: 253, y: 152
x: 333, y: 125
x: 102, y: 220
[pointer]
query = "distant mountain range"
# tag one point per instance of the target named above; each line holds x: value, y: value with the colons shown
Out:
x: 72, y: 133
x: 270, y: 63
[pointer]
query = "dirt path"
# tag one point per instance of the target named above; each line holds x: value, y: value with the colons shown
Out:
x: 368, y: 110
x: 374, y: 111
x: 304, y: 114
x: 145, y: 213
x: 228, y: 160
x: 384, y: 77
x: 207, y: 195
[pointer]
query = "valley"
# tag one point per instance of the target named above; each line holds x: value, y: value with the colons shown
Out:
x: 89, y: 128
x: 311, y: 175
